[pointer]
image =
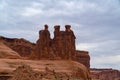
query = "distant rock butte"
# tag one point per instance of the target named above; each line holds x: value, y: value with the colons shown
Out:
x: 105, y: 74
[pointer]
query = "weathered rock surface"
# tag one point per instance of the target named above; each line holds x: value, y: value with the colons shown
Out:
x: 21, y: 46
x: 105, y: 74
x: 64, y: 43
x: 83, y: 57
x: 62, y: 46
x: 61, y: 49
x: 6, y: 52
x: 48, y: 68
x: 24, y: 72
x: 42, y: 50
x: 26, y: 50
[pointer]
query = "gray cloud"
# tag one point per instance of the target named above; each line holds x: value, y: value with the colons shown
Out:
x: 95, y: 23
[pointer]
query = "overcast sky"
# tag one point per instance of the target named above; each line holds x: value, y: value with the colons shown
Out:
x: 96, y: 24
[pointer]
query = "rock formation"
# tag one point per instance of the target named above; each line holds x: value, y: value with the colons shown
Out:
x: 83, y: 57
x: 62, y: 46
x: 43, y: 44
x: 105, y: 74
x: 43, y: 69
x: 64, y: 42
x: 21, y: 46
x: 61, y: 49
x: 24, y: 72
x: 6, y: 52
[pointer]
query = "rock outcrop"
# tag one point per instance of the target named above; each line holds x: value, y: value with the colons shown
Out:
x: 42, y: 50
x: 24, y: 72
x: 21, y: 46
x: 62, y: 46
x: 44, y: 69
x: 105, y: 74
x: 83, y: 57
x: 64, y: 43
x: 6, y: 52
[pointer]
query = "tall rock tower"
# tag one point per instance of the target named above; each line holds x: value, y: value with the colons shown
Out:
x: 62, y: 46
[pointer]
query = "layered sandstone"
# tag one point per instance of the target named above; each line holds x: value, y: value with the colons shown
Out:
x: 6, y: 52
x: 62, y: 46
x: 21, y: 46
x: 45, y: 69
x: 105, y: 74
x: 83, y: 57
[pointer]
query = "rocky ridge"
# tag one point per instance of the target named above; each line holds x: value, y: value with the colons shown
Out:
x: 105, y: 74
x: 21, y: 46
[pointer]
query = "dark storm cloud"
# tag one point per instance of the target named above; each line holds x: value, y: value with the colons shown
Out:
x: 95, y: 23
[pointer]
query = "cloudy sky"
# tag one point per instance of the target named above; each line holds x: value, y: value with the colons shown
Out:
x: 96, y: 24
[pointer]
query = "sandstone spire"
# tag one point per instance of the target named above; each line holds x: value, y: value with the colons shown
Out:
x: 62, y: 46
x: 43, y: 43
